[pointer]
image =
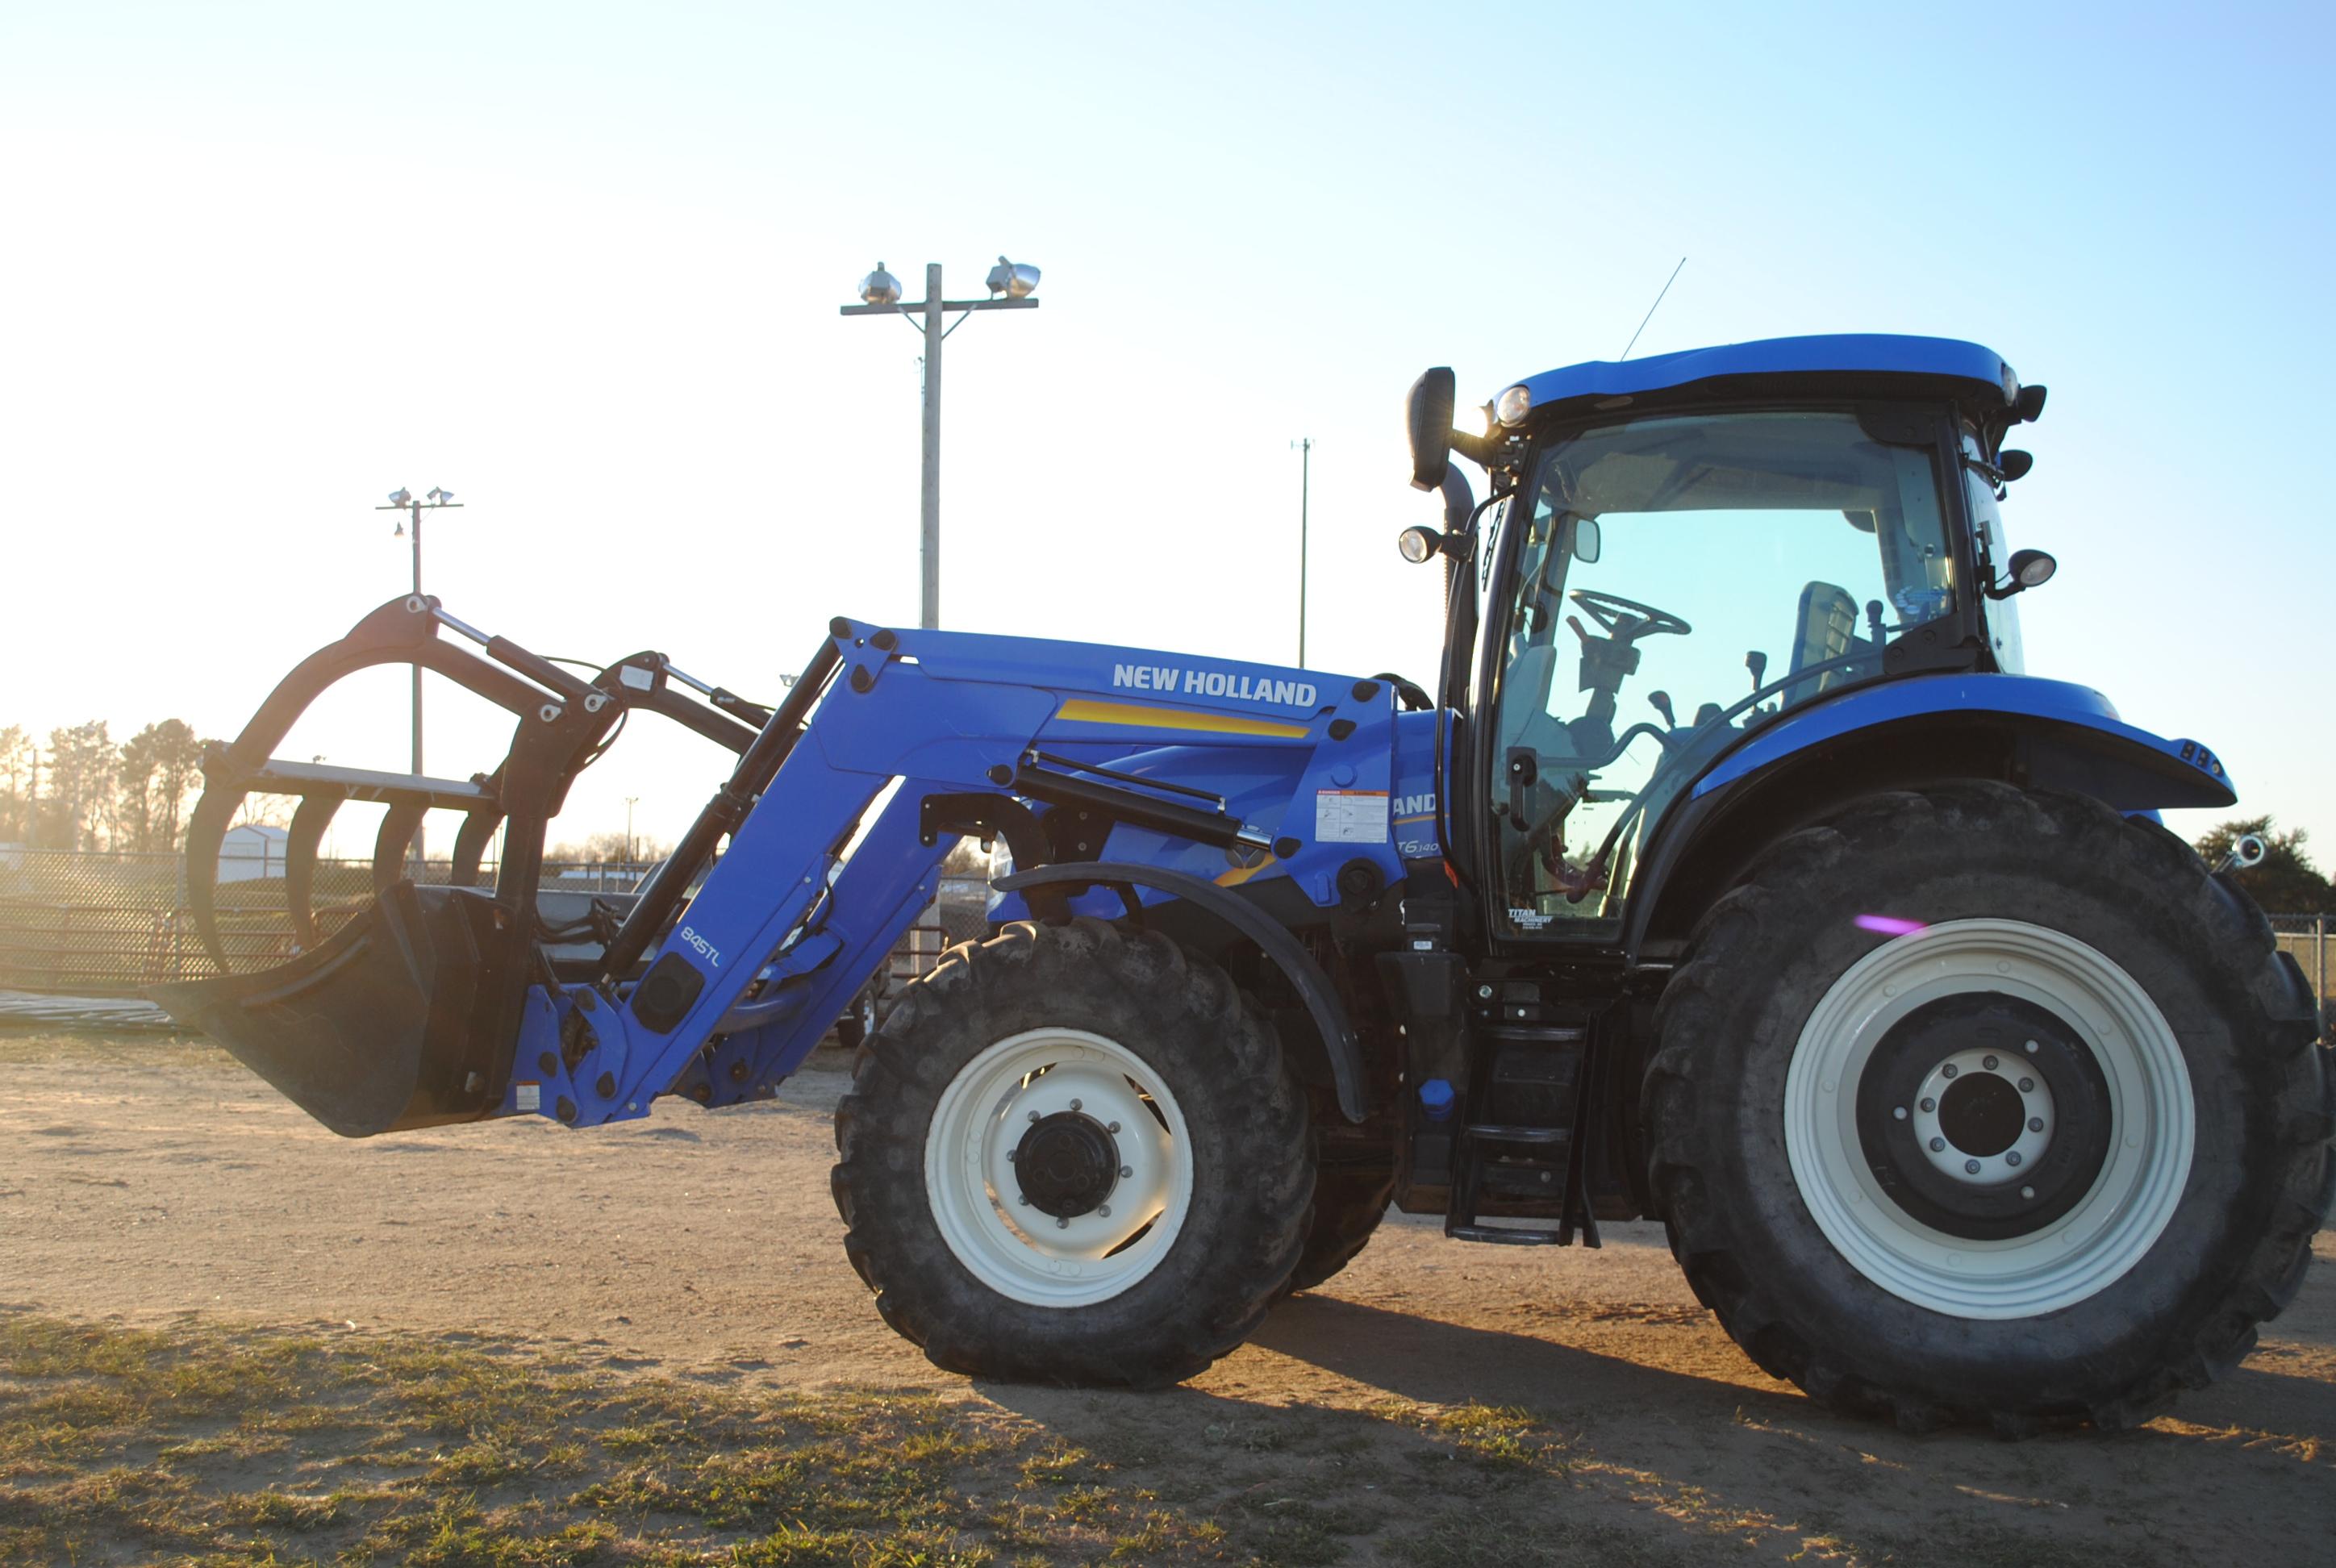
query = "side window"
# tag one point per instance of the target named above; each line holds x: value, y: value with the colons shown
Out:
x: 1987, y: 521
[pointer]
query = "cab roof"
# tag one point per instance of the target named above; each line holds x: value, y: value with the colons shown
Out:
x: 1863, y: 355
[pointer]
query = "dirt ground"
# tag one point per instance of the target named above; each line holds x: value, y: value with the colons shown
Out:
x: 142, y: 1182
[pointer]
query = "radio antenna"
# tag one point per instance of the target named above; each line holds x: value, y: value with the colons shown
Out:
x: 1651, y: 309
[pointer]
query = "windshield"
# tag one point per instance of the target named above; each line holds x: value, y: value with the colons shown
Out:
x: 1680, y: 580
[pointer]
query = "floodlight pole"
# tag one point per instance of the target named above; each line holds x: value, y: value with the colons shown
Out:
x: 1305, y: 445
x: 932, y: 308
x: 414, y: 507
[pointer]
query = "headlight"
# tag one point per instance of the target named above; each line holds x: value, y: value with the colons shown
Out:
x: 1512, y: 407
x: 1419, y: 545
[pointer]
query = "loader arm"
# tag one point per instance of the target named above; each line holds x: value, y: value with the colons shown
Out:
x: 836, y: 819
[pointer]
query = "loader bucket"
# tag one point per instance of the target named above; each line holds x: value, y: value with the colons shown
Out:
x: 404, y: 1017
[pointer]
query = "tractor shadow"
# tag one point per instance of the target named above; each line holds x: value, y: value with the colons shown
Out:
x: 1407, y: 1438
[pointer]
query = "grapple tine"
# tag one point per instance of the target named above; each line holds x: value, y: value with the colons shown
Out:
x: 205, y: 830
x: 389, y: 846
x: 471, y: 844
x: 308, y: 824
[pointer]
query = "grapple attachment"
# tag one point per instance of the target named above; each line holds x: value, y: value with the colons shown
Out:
x: 407, y: 1013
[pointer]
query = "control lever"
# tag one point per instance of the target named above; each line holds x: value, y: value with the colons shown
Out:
x: 1757, y: 662
x: 1661, y: 703
x: 1874, y: 620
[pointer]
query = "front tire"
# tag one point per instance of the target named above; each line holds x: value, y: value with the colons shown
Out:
x: 1984, y: 1105
x: 1073, y: 1156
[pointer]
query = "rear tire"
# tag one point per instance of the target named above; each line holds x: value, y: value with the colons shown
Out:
x: 1977, y: 1105
x: 1349, y: 1201
x: 1073, y: 1156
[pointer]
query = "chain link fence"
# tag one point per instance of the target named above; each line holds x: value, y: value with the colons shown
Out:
x: 2306, y: 938
x: 108, y: 924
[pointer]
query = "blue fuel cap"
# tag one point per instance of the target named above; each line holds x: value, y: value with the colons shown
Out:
x: 1435, y: 1099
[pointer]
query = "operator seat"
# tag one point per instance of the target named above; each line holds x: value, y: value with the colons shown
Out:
x: 1827, y: 629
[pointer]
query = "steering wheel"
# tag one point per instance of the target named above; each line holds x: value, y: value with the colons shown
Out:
x: 1625, y: 620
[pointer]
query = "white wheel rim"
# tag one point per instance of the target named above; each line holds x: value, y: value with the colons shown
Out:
x: 969, y: 1178
x: 2152, y: 1121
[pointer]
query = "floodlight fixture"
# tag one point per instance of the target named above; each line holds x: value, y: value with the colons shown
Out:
x: 1014, y: 279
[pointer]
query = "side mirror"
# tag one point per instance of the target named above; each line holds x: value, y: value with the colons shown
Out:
x: 2015, y: 464
x: 1428, y: 414
x: 1588, y: 539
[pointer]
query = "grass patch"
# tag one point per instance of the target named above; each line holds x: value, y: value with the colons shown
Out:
x: 200, y: 1444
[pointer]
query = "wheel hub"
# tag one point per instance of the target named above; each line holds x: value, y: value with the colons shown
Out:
x: 1984, y: 1118
x: 1983, y: 1115
x: 1066, y: 1165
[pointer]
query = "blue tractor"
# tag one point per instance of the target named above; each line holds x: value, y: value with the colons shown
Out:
x: 1729, y: 871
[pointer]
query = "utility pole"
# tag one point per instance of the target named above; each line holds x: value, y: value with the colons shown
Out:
x: 1010, y: 286
x: 630, y: 802
x: 402, y: 500
x: 1305, y: 447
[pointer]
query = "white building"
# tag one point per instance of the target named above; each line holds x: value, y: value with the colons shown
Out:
x: 251, y: 852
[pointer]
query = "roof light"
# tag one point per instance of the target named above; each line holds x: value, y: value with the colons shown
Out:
x: 1511, y: 406
x: 1418, y: 545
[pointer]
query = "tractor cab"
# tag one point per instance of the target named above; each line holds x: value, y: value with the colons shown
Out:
x: 1680, y: 551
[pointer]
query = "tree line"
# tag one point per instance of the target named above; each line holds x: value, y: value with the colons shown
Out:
x: 83, y: 791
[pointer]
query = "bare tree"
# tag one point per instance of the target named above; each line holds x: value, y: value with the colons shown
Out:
x: 608, y: 845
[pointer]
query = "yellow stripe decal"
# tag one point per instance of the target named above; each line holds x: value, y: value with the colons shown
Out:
x: 1080, y: 711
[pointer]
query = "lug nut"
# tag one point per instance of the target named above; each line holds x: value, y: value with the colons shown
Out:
x: 2027, y: 1086
x: 2012, y: 1158
x: 1989, y: 1064
x: 1034, y: 1116
x: 1111, y: 1127
x: 1938, y: 1146
x: 1899, y: 1112
x: 1075, y: 1105
x: 1026, y: 1200
x: 1972, y: 1166
x: 1125, y: 1172
x: 1947, y: 1071
x: 1103, y: 1209
x: 1928, y: 1104
x: 1063, y: 1224
x: 2035, y: 1124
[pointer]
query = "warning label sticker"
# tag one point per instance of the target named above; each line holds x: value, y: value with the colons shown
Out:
x: 529, y: 1097
x: 1350, y: 816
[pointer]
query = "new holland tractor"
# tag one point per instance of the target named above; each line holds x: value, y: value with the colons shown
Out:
x: 1729, y: 871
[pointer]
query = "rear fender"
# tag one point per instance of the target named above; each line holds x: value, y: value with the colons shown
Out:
x: 2023, y: 731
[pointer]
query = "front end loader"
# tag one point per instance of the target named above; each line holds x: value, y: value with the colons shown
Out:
x: 1964, y: 1090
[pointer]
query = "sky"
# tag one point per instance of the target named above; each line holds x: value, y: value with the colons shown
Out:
x: 581, y: 264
